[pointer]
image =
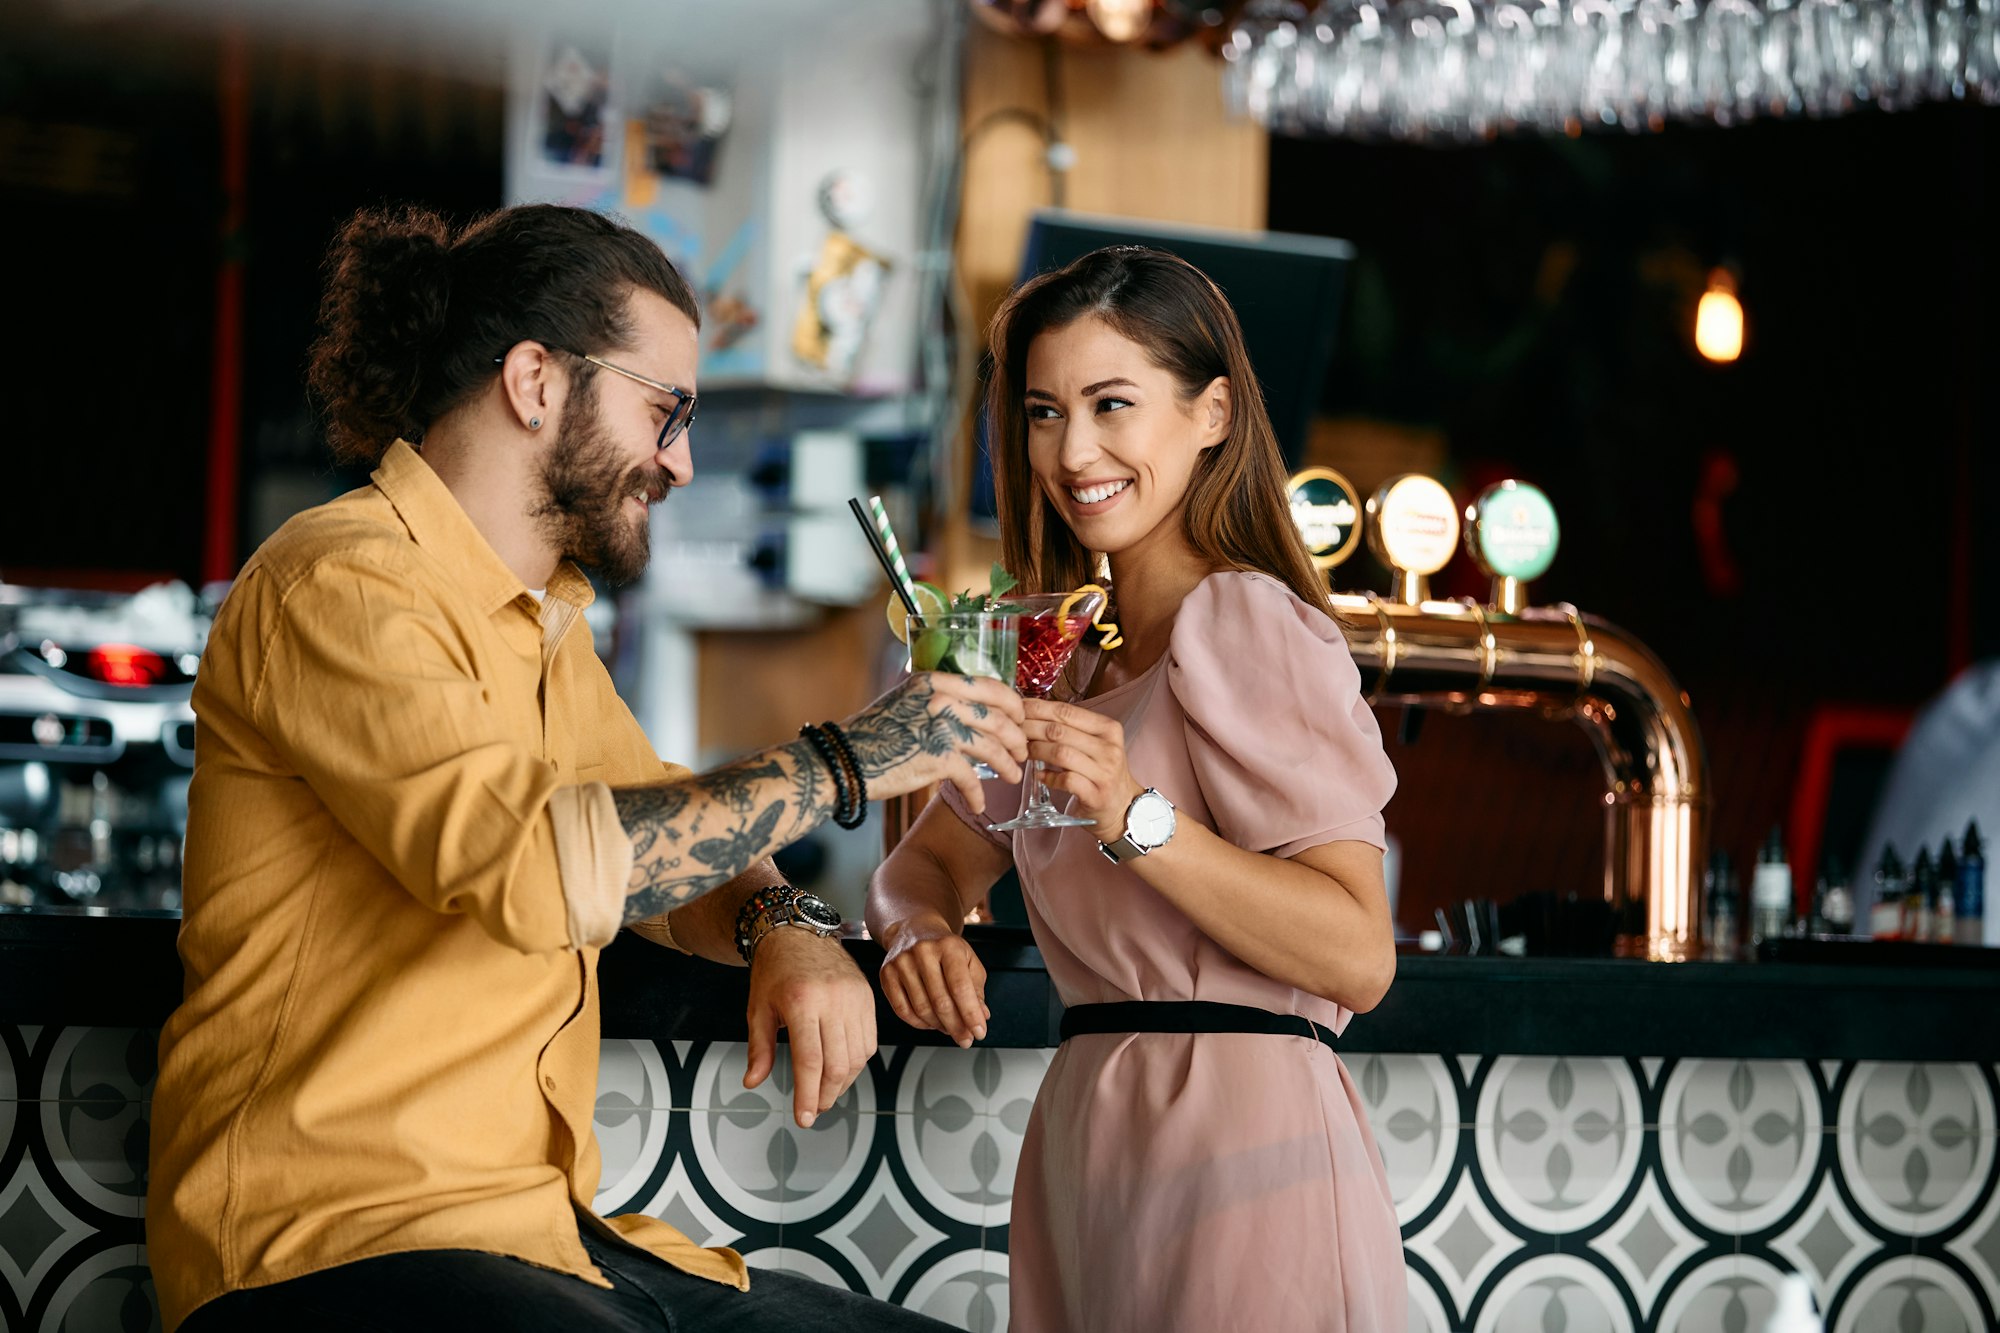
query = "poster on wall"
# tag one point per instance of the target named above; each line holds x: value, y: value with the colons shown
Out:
x: 679, y: 127
x: 843, y: 286
x: 575, y: 124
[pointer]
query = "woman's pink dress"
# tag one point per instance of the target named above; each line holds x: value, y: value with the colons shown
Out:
x: 1223, y: 1181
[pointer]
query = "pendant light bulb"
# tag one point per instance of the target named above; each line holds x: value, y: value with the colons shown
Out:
x: 1120, y: 20
x: 1718, y: 320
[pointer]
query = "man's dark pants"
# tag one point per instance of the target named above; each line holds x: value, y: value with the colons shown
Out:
x: 437, y: 1289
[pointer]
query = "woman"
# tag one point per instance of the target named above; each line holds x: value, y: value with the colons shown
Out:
x: 1187, y: 1166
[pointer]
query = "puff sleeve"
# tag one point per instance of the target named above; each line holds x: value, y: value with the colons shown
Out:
x: 1283, y: 747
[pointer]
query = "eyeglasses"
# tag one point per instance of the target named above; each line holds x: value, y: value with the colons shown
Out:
x: 679, y: 418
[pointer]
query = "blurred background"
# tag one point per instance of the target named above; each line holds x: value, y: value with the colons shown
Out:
x: 1798, y: 524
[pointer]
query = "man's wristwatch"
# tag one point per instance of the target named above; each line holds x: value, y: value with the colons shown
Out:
x: 1149, y: 826
x: 782, y: 905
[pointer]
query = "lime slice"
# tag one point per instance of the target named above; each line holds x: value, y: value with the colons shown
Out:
x: 931, y: 601
x: 929, y: 649
x: 971, y: 662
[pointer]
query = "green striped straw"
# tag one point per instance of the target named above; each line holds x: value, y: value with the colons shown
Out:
x: 881, y: 514
x: 883, y: 541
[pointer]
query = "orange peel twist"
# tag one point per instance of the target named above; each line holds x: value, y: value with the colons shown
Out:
x: 1111, y: 637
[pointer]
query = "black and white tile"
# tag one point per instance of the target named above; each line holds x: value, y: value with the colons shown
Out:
x: 74, y: 1121
x: 1533, y: 1192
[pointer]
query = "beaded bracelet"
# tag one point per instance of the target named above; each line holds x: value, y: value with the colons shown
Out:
x: 853, y: 763
x: 850, y: 807
x: 829, y: 756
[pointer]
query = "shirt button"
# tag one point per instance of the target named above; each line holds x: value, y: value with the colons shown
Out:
x: 549, y: 1082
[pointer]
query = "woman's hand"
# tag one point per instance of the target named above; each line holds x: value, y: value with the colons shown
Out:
x: 1085, y: 754
x: 932, y: 979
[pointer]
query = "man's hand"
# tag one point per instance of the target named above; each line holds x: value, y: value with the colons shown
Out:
x: 934, y: 727
x: 809, y: 987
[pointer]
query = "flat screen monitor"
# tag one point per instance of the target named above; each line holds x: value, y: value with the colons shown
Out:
x: 1286, y: 290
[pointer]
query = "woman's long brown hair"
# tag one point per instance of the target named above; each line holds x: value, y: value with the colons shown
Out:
x: 1235, y: 512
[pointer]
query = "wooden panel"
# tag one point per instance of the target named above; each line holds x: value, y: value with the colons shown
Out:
x: 1151, y: 141
x: 758, y: 688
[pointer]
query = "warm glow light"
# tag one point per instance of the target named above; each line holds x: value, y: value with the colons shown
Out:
x: 1718, y: 320
x: 1120, y: 20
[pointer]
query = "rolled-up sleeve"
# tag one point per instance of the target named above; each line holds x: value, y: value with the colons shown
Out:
x: 594, y: 854
x: 365, y: 693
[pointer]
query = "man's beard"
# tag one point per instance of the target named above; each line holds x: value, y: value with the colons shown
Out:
x: 586, y: 484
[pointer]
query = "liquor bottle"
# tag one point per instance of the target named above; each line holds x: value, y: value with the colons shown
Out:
x: 1720, y: 893
x: 1972, y: 891
x: 1885, y: 920
x: 1770, y: 891
x: 1834, y: 905
x: 1918, y: 895
x: 1944, y: 907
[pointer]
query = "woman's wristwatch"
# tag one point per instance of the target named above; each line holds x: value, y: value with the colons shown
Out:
x: 1149, y: 826
x: 782, y: 905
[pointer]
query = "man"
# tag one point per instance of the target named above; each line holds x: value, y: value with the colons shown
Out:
x: 419, y: 810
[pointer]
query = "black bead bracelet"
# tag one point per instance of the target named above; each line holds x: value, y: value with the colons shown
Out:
x: 850, y: 803
x: 860, y: 780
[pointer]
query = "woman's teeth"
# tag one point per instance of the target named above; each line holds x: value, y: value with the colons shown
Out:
x: 1093, y: 494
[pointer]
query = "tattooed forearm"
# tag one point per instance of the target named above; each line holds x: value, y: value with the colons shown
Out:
x: 693, y: 836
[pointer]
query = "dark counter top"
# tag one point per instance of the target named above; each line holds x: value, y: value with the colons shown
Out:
x: 123, y: 972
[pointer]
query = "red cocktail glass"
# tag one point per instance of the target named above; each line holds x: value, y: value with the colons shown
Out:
x: 1052, y: 628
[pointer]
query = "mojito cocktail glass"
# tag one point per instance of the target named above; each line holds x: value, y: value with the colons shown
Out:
x: 966, y: 643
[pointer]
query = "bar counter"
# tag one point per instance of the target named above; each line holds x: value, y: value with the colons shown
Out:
x: 1647, y: 1145
x: 1916, y: 1004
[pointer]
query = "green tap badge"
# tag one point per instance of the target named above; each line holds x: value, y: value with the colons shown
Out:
x: 1513, y: 532
x: 1326, y: 509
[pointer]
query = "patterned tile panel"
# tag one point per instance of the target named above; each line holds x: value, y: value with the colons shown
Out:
x: 1534, y: 1192
x: 1558, y: 1139
x: 1740, y: 1140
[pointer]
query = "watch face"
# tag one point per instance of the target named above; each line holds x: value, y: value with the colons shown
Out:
x: 819, y: 913
x: 1151, y: 820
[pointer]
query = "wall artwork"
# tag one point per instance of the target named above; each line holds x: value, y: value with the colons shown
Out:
x: 574, y: 124
x: 843, y: 288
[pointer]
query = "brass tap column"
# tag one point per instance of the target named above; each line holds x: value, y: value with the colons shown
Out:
x: 1465, y: 657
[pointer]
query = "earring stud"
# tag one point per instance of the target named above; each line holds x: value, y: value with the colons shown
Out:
x: 534, y: 423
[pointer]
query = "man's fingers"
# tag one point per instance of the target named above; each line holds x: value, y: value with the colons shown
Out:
x: 999, y: 696
x: 1004, y: 732
x: 1004, y: 762
x: 837, y: 1069
x: 763, y: 1044
x: 969, y: 786
x: 807, y: 1061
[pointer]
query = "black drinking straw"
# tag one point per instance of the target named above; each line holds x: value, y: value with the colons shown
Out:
x: 882, y: 554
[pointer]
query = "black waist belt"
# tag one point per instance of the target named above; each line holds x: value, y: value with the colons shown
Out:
x: 1187, y: 1016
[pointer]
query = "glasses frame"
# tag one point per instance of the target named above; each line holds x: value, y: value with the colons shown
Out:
x: 678, y: 420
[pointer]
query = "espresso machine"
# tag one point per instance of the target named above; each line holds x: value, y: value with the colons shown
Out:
x: 96, y: 746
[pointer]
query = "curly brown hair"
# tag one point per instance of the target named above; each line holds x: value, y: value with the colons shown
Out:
x: 415, y: 310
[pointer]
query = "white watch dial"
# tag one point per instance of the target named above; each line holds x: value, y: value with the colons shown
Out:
x: 1151, y: 820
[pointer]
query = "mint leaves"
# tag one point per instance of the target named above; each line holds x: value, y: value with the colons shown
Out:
x: 1001, y: 583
